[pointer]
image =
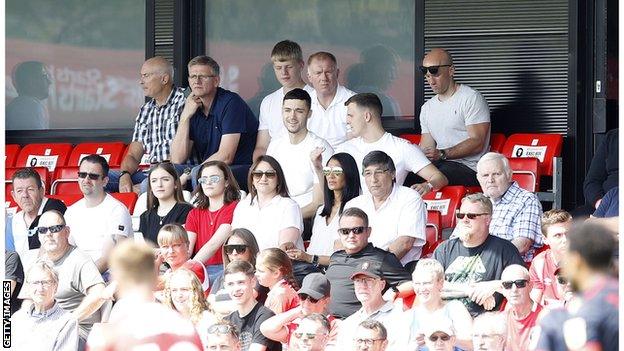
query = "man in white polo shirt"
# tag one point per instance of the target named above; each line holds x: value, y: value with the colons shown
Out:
x: 98, y: 220
x: 329, y: 114
x: 288, y: 64
x: 396, y: 213
x: 293, y: 152
x: 364, y: 121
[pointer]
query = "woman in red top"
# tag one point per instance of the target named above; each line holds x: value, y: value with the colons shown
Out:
x: 274, y: 271
x: 208, y: 224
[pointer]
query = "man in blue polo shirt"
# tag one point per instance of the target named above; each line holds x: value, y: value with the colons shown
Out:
x: 215, y: 124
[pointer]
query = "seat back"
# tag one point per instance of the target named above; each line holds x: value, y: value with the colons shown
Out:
x: 497, y: 141
x: 11, y: 152
x: 44, y: 155
x: 541, y: 146
x: 526, y: 172
x: 447, y: 201
x: 68, y: 199
x: 412, y: 138
x: 65, y: 181
x: 434, y: 226
x: 128, y: 199
x: 112, y: 152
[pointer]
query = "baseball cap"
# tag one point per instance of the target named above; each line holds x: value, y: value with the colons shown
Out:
x: 369, y: 268
x: 315, y: 285
x: 439, y: 324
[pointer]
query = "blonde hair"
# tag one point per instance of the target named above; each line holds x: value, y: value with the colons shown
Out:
x: 197, y: 300
x: 132, y: 262
x: 430, y: 265
x: 172, y: 233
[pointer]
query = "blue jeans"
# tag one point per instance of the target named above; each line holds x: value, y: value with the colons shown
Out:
x: 214, y: 270
x: 113, y: 180
x: 179, y: 169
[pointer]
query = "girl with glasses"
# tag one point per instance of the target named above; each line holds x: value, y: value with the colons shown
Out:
x: 208, y: 224
x: 165, y: 202
x: 268, y: 211
x: 274, y: 270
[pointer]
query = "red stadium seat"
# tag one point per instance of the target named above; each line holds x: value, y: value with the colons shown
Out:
x: 68, y: 199
x: 44, y: 155
x: 525, y: 171
x: 412, y: 138
x: 43, y: 173
x: 447, y: 201
x: 65, y: 181
x: 473, y: 189
x: 128, y: 199
x: 11, y: 152
x: 433, y: 231
x: 112, y: 152
x: 497, y: 140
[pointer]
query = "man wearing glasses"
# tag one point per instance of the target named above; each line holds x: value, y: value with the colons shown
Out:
x: 215, y: 124
x: 474, y: 261
x: 354, y: 232
x: 98, y: 220
x: 440, y: 335
x: 312, y: 334
x: 455, y: 123
x: 371, y: 335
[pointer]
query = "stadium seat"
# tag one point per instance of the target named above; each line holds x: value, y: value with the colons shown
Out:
x: 112, y: 152
x: 68, y: 199
x: 43, y: 173
x: 412, y: 138
x: 11, y: 152
x: 447, y: 201
x: 128, y: 199
x: 433, y: 231
x: 65, y: 181
x: 497, y: 140
x: 525, y: 171
x: 473, y: 189
x: 44, y: 155
x: 546, y: 148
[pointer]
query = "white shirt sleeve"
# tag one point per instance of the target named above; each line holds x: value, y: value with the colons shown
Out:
x: 424, y: 114
x: 120, y: 222
x: 412, y: 220
x: 264, y: 114
x: 476, y: 109
x: 291, y: 217
x: 415, y: 159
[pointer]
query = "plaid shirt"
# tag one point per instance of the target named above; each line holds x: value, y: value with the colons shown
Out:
x: 518, y: 214
x: 156, y: 126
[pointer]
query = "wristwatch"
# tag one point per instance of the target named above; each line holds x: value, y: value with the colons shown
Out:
x: 187, y: 171
x: 443, y: 155
x: 315, y: 260
x: 121, y: 174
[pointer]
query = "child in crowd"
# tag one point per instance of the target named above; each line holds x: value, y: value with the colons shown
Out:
x: 274, y: 270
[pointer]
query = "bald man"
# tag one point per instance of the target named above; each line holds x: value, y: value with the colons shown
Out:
x: 155, y: 125
x: 455, y: 123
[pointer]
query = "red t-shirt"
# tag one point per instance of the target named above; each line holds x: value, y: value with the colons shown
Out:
x: 519, y: 330
x: 282, y: 297
x: 199, y: 221
x: 542, y: 275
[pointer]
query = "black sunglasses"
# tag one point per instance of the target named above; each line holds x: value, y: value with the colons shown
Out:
x: 229, y: 249
x: 259, y: 174
x: 92, y: 176
x: 470, y: 215
x: 433, y: 70
x: 304, y: 297
x: 435, y: 338
x: 562, y: 280
x: 520, y: 283
x: 354, y: 230
x: 52, y: 229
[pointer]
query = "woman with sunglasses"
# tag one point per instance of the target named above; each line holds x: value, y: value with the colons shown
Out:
x: 342, y: 183
x: 208, y: 224
x: 165, y: 202
x: 268, y: 211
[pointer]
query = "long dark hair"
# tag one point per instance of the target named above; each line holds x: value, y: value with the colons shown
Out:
x: 152, y: 201
x: 282, y: 188
x: 352, y: 183
x: 231, y: 192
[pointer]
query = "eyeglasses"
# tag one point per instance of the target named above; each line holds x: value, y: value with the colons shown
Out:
x: 367, y: 342
x: 201, y: 76
x: 92, y: 176
x: 259, y: 174
x: 433, y: 70
x: 435, y: 338
x: 52, y: 229
x: 354, y: 230
x: 520, y: 283
x: 469, y: 215
x: 562, y: 280
x: 44, y: 283
x: 223, y: 329
x: 240, y: 249
x: 209, y: 180
x: 304, y: 297
x: 486, y: 336
x: 376, y: 172
x: 308, y: 336
x: 332, y: 170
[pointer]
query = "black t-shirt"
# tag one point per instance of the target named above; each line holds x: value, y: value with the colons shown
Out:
x: 14, y: 271
x: 151, y: 222
x: 51, y: 204
x: 343, y: 302
x: 477, y: 264
x: 249, y: 327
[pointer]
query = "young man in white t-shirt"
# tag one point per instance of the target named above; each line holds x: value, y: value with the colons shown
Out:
x: 288, y: 64
x: 293, y: 151
x: 98, y: 221
x: 364, y: 121
x: 455, y: 124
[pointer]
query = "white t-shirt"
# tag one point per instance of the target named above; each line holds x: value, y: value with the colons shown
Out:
x: 266, y: 222
x: 446, y: 121
x: 407, y: 157
x: 323, y: 235
x: 296, y: 164
x: 402, y: 214
x: 91, y: 228
x: 331, y: 123
x: 271, y: 112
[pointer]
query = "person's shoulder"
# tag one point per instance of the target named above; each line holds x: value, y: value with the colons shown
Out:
x: 406, y: 193
x: 344, y: 92
x: 467, y: 90
x: 225, y: 95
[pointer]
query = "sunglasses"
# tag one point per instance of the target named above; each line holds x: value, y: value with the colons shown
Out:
x: 562, y: 280
x: 304, y: 297
x: 240, y: 249
x: 332, y: 170
x: 354, y: 230
x: 259, y: 174
x: 469, y: 215
x: 309, y: 336
x: 520, y: 283
x: 92, y: 176
x: 435, y: 338
x: 433, y: 70
x: 209, y: 180
x: 223, y: 329
x: 52, y: 229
